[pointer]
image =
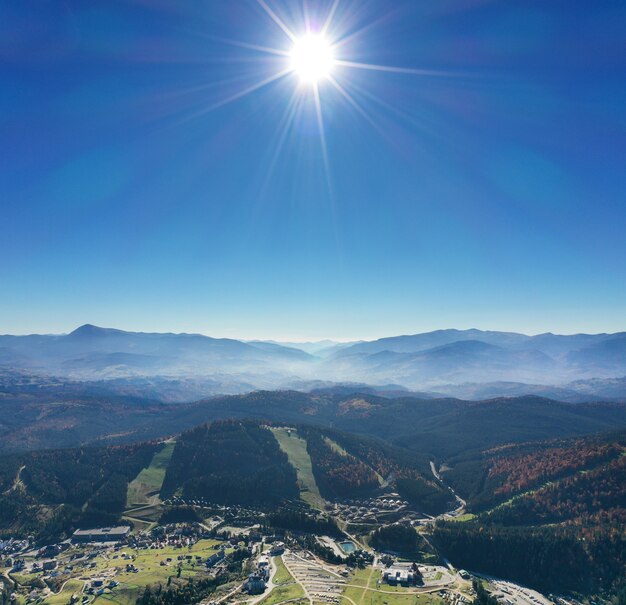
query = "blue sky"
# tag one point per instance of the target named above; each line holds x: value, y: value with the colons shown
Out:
x: 490, y: 193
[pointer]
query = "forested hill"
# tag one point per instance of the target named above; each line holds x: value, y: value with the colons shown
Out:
x: 348, y: 466
x: 492, y: 476
x: 430, y: 427
x: 550, y: 514
x: 49, y: 493
x: 230, y: 462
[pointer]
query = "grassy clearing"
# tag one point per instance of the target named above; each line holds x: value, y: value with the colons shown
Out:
x: 286, y: 586
x: 333, y: 445
x: 63, y: 597
x: 464, y: 518
x: 295, y: 448
x: 364, y: 590
x: 110, y: 565
x: 25, y: 579
x: 147, y: 484
x: 282, y: 575
x: 139, y: 524
x: 284, y: 593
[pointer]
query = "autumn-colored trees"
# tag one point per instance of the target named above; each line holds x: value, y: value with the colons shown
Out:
x: 337, y: 474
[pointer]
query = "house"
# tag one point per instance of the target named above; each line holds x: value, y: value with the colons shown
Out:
x: 213, y: 560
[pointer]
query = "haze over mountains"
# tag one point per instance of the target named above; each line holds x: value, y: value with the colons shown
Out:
x: 462, y: 363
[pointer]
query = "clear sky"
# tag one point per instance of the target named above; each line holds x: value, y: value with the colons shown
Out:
x: 488, y: 191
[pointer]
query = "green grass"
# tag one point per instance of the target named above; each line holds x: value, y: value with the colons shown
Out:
x: 282, y: 575
x: 131, y: 585
x: 385, y: 595
x: 295, y: 448
x: 284, y: 593
x: 333, y: 445
x: 139, y: 524
x: 62, y: 598
x: 148, y: 482
x: 126, y: 595
x: 25, y: 579
x: 286, y: 586
x: 464, y: 518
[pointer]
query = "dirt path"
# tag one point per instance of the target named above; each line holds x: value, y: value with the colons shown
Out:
x: 209, y: 599
x: 367, y: 585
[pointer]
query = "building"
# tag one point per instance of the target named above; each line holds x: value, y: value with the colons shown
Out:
x: 213, y: 560
x: 403, y: 576
x: 254, y: 584
x: 278, y: 548
x: 103, y: 534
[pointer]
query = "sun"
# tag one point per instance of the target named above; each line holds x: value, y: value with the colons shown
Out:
x: 311, y: 58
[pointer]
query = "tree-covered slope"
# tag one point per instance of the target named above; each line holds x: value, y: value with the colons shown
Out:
x: 49, y: 493
x: 549, y: 514
x: 230, y: 462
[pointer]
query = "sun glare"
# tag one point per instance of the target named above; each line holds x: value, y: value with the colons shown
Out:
x: 312, y: 58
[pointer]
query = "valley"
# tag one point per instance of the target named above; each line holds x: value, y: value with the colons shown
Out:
x: 317, y: 489
x: 359, y: 484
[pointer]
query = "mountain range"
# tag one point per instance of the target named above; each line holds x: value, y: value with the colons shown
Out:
x: 462, y: 363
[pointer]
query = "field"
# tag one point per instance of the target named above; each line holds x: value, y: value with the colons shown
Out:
x: 146, y: 485
x: 286, y: 592
x: 295, y: 448
x: 109, y: 565
x: 63, y: 597
x: 282, y: 575
x: 286, y: 588
x: 363, y: 589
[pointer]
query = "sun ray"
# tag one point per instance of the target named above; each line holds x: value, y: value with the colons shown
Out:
x: 403, y: 115
x: 260, y: 48
x: 284, y: 128
x: 307, y: 19
x: 241, y: 93
x: 355, y: 105
x: 329, y: 18
x: 392, y: 69
x: 345, y: 40
x: 276, y: 19
x: 322, y: 131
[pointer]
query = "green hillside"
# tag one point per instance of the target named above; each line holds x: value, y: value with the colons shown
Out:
x: 230, y: 462
x: 50, y: 493
x: 296, y: 449
x: 145, y: 487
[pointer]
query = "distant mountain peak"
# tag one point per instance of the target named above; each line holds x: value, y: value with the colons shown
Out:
x: 89, y: 331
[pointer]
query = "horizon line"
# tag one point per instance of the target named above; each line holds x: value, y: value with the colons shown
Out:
x: 308, y: 340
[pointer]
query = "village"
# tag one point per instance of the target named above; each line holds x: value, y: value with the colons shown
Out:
x: 113, y: 565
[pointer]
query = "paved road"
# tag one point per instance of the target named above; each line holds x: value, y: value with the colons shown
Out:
x: 270, y: 583
x: 461, y: 503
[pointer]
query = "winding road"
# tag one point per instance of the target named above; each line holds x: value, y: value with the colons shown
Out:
x: 460, y: 509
